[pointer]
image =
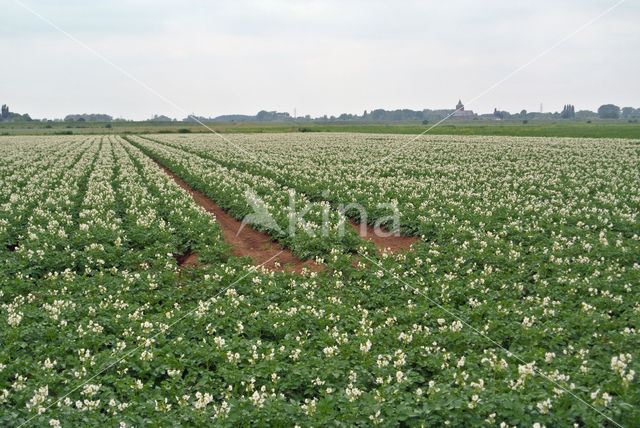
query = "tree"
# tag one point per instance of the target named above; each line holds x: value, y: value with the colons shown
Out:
x: 628, y: 112
x: 523, y: 113
x: 586, y: 114
x: 568, y: 112
x: 5, y: 111
x: 500, y: 114
x: 609, y: 111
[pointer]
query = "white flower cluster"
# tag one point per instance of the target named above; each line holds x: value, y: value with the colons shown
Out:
x: 619, y: 365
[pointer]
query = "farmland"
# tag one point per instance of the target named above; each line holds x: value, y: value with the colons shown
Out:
x: 576, y: 128
x: 519, y: 304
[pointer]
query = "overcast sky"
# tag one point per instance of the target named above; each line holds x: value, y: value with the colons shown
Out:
x: 320, y: 57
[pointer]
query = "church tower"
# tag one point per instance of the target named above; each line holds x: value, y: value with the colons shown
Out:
x: 461, y: 113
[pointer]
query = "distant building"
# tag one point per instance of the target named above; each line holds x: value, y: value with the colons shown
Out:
x: 461, y: 113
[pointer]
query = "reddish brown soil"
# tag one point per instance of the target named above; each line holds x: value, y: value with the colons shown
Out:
x: 249, y: 242
x: 393, y: 243
x: 189, y: 259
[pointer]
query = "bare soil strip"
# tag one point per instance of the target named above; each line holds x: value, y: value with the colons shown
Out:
x: 249, y: 242
x: 259, y: 246
x: 393, y: 242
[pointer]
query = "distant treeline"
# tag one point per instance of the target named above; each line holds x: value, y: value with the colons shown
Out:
x: 606, y: 111
x: 95, y: 117
x: 8, y: 116
x: 377, y: 115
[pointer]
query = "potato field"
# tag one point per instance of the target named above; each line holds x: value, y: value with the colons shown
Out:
x: 508, y: 293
